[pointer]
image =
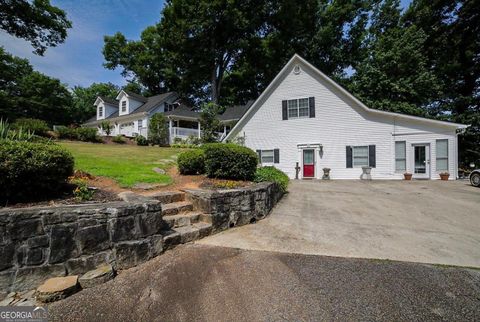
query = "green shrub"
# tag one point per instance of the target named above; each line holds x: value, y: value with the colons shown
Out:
x: 35, y: 126
x: 141, y: 140
x: 119, y: 139
x: 158, y: 130
x: 30, y: 170
x: 87, y: 134
x: 8, y: 133
x: 82, y: 192
x: 194, y: 140
x: 272, y: 174
x: 178, y: 140
x: 191, y: 162
x: 229, y: 161
x: 68, y: 133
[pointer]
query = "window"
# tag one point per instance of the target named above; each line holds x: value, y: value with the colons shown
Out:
x: 140, y: 124
x: 442, y: 155
x: 124, y: 106
x: 100, y: 111
x: 360, y: 156
x: 400, y: 156
x: 298, y: 108
x: 269, y: 156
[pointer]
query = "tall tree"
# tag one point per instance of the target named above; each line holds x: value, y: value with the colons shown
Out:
x: 395, y: 75
x: 144, y: 61
x: 37, y: 21
x: 452, y: 46
x: 27, y: 93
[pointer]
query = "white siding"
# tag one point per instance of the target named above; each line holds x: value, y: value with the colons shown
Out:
x: 339, y: 122
x: 107, y: 110
x: 131, y: 104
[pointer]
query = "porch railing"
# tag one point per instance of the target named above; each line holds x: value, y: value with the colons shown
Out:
x: 182, y: 132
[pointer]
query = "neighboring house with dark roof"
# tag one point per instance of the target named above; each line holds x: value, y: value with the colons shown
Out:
x: 130, y: 113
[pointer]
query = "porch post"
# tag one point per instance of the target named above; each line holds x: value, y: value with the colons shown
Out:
x: 199, y: 136
x: 170, y: 130
x: 224, y: 130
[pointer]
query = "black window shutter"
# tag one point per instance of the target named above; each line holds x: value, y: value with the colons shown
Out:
x: 311, y: 103
x: 276, y: 156
x: 259, y: 152
x: 284, y: 110
x: 372, y: 162
x: 349, y: 157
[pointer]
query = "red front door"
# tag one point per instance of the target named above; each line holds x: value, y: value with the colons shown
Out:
x: 308, y: 163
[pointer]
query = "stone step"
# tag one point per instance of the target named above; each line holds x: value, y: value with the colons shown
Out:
x: 193, y: 232
x: 185, y: 234
x: 167, y: 196
x: 174, y: 208
x: 182, y: 220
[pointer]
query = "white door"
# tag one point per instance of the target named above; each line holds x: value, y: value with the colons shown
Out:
x: 421, y: 161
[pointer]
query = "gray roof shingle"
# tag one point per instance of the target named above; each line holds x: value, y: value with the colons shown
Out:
x: 152, y: 102
x: 136, y: 96
x: 109, y: 100
x: 236, y: 112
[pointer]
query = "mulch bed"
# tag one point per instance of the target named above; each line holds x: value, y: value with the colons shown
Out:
x: 66, y: 198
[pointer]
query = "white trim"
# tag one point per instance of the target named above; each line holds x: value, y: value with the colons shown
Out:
x: 428, y: 161
x: 286, y: 68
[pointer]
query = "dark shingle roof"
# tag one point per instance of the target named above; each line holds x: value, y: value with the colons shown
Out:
x: 109, y: 100
x: 235, y: 112
x: 152, y: 102
x: 183, y: 111
x: 136, y: 96
x: 231, y: 113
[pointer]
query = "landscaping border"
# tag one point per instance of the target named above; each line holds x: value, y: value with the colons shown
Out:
x: 42, y: 242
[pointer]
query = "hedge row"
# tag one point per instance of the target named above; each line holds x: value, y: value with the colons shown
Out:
x: 87, y: 134
x: 219, y: 160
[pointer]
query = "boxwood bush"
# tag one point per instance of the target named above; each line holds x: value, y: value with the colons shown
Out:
x: 191, y: 162
x: 272, y: 174
x: 30, y: 171
x: 229, y: 161
x: 141, y: 140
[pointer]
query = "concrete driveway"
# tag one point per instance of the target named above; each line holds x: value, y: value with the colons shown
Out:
x: 418, y: 221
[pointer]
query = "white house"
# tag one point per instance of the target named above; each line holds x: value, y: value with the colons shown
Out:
x: 304, y: 117
x: 129, y: 115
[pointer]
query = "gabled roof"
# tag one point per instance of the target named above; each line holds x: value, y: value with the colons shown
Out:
x: 297, y: 59
x: 152, y: 102
x: 136, y: 96
x: 107, y: 100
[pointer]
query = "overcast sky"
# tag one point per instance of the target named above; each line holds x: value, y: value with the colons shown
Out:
x: 79, y: 60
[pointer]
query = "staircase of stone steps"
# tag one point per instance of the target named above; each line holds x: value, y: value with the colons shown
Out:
x: 182, y: 223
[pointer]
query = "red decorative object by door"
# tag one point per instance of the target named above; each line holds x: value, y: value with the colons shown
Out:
x: 308, y: 163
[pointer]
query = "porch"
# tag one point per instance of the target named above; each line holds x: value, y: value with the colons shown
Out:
x: 186, y: 128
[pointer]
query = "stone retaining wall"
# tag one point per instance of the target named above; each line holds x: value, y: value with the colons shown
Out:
x: 236, y: 207
x: 36, y: 243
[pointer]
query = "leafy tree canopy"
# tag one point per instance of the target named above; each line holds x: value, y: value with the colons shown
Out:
x: 37, y: 21
x: 28, y: 93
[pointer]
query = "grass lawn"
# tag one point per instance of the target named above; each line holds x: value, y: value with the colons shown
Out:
x: 127, y: 164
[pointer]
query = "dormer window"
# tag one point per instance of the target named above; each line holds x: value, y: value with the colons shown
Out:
x: 100, y: 111
x: 124, y: 106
